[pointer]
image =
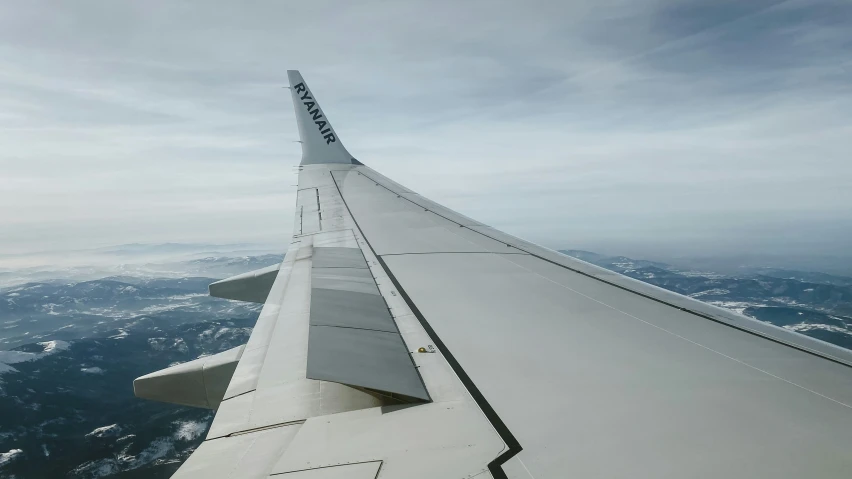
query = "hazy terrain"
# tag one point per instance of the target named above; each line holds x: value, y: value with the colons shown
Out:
x: 70, y: 349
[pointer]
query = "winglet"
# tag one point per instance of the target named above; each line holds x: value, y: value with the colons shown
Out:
x: 320, y: 143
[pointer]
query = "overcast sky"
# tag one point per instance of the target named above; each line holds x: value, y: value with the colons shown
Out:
x: 621, y: 126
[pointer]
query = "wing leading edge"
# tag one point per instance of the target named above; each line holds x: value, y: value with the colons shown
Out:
x: 512, y: 360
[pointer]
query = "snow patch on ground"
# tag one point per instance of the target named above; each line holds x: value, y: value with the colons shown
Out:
x: 48, y: 308
x: 157, y: 344
x: 105, y: 431
x: 804, y: 327
x: 715, y: 292
x: 180, y: 297
x: 189, y: 430
x: 94, y: 469
x: 14, y: 357
x: 205, y: 335
x: 183, y: 301
x: 7, y: 457
x: 158, y: 449
x: 735, y: 306
x: 180, y: 345
x: 54, y: 346
x: 121, y: 334
x: 160, y: 344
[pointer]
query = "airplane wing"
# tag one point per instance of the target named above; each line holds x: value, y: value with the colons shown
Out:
x: 400, y: 339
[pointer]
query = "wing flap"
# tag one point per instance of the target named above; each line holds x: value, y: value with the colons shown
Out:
x: 353, y: 337
x: 374, y: 360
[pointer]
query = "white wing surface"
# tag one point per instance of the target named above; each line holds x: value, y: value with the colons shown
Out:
x: 400, y: 339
